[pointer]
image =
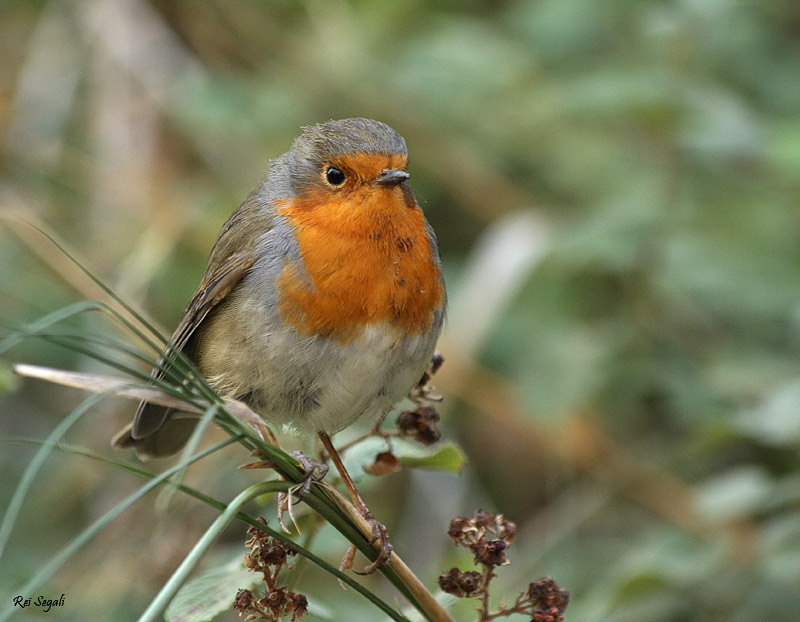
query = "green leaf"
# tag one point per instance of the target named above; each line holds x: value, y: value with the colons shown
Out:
x: 444, y: 457
x: 211, y: 593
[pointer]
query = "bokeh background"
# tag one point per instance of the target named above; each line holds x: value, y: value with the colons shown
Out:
x: 615, y: 189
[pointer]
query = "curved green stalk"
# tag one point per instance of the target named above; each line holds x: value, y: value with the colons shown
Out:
x: 171, y: 587
x: 49, y: 569
x: 14, y: 505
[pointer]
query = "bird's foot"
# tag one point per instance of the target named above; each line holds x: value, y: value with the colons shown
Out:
x: 380, y: 537
x: 313, y: 471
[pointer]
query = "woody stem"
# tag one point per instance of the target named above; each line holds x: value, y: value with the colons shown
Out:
x: 348, y: 481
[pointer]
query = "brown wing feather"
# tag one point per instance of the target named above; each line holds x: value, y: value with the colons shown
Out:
x: 150, y: 417
x: 234, y: 252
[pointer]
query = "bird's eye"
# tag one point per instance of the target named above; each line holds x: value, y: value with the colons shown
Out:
x: 334, y: 176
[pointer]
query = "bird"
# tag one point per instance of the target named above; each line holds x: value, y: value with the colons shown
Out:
x: 322, y: 300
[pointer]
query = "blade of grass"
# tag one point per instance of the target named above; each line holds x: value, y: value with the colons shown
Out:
x: 15, y: 504
x: 176, y: 357
x: 191, y: 445
x: 47, y: 322
x: 96, y: 280
x: 51, y: 567
x: 40, y: 328
x: 108, y: 384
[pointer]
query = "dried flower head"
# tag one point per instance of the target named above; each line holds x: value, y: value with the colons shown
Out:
x: 462, y: 529
x: 491, y: 553
x: 244, y: 601
x: 268, y: 556
x: 420, y: 424
x: 548, y: 601
x: 460, y: 582
x: 487, y: 535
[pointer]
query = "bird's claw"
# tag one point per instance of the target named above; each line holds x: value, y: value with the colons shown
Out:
x: 313, y: 471
x: 380, y: 536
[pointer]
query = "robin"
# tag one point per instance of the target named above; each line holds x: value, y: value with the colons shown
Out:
x: 323, y: 297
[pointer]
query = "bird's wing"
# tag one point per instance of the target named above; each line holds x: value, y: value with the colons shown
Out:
x: 234, y: 252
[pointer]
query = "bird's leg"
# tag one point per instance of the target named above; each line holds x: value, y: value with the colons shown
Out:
x: 379, y: 533
x: 313, y: 471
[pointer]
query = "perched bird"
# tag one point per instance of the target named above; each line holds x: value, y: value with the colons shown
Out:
x: 323, y: 297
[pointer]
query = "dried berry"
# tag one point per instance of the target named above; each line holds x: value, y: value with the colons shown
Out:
x: 298, y: 604
x: 491, y: 553
x: 470, y: 582
x: 385, y: 462
x: 243, y: 601
x: 545, y: 594
x: 273, y: 554
x: 459, y: 582
x: 421, y: 424
x: 459, y: 528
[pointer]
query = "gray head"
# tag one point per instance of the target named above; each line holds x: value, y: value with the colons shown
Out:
x: 324, y: 144
x: 348, y: 136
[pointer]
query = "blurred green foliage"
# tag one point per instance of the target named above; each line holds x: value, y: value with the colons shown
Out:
x: 628, y: 394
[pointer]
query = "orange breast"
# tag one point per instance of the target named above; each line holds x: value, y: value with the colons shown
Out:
x: 368, y: 258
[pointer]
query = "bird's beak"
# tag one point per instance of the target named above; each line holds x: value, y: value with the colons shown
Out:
x: 392, y: 177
